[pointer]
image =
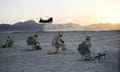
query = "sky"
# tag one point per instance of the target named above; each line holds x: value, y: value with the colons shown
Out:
x: 63, y: 11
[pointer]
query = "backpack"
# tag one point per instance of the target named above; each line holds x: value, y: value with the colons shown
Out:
x: 30, y: 40
x: 82, y: 48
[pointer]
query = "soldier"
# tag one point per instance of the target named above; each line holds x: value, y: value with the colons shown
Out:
x: 9, y: 42
x: 84, y: 49
x: 58, y: 42
x: 33, y: 41
x: 88, y: 46
x: 36, y: 43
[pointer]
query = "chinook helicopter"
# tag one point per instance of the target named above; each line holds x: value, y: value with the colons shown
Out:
x: 49, y: 20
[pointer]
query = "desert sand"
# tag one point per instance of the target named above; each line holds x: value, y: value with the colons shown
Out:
x: 20, y: 58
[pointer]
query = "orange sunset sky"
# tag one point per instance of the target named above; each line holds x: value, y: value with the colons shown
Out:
x: 82, y: 12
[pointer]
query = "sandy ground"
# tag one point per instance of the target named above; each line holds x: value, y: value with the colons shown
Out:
x: 20, y: 58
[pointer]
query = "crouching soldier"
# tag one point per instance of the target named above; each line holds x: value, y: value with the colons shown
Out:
x: 58, y: 42
x: 9, y: 43
x: 84, y: 49
x: 33, y: 41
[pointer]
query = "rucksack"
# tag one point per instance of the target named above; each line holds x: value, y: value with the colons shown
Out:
x: 30, y: 40
x: 82, y: 48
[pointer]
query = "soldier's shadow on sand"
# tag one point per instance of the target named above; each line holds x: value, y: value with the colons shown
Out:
x: 51, y: 53
x: 96, y: 61
x: 31, y: 50
x: 54, y: 53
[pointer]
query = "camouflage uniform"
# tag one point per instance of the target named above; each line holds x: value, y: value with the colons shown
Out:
x: 88, y: 45
x: 57, y: 42
x: 35, y: 41
x: 9, y: 42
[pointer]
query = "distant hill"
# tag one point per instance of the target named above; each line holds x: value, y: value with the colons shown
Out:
x: 30, y: 26
x: 5, y: 27
x: 103, y: 27
x: 26, y: 26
